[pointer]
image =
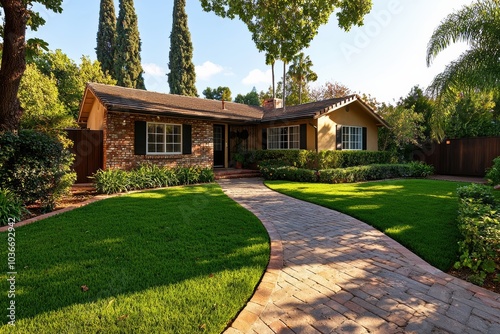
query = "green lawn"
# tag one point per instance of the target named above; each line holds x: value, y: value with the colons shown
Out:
x: 179, y: 260
x: 418, y: 213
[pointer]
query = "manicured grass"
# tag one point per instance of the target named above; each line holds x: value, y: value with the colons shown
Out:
x: 418, y: 213
x: 179, y: 260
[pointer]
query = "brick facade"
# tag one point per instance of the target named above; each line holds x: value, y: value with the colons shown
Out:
x: 119, y: 143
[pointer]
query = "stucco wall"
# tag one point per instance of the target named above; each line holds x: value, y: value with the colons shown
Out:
x: 356, y: 116
x: 96, y: 116
x: 119, y: 143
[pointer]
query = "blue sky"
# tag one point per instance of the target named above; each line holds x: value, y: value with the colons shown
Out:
x: 384, y: 58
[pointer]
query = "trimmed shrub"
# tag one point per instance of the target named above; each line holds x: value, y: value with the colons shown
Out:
x: 344, y: 159
x: 276, y: 171
x: 372, y: 172
x: 477, y: 192
x: 322, y: 160
x: 36, y: 167
x: 493, y: 174
x: 11, y: 207
x: 288, y: 173
x: 420, y: 169
x: 479, y: 224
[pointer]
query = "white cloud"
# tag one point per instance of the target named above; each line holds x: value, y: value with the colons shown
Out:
x: 153, y: 70
x: 207, y: 70
x: 257, y: 76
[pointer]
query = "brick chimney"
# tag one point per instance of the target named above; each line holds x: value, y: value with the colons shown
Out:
x: 271, y: 104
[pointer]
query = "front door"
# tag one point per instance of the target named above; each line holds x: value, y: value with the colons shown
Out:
x: 219, y: 140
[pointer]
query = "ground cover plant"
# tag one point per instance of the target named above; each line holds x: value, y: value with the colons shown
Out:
x: 148, y: 176
x: 420, y: 214
x: 175, y: 260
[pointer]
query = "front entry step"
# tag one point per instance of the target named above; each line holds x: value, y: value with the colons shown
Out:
x: 232, y: 173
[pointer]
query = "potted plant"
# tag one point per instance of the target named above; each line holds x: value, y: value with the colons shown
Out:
x: 239, y: 159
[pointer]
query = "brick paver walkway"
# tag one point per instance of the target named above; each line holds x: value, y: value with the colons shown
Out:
x: 331, y: 273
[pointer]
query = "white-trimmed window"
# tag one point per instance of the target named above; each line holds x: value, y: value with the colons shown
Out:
x: 164, y: 138
x: 283, y: 138
x: 352, y: 138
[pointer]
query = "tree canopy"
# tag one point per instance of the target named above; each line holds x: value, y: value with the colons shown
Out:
x: 251, y: 98
x: 477, y: 24
x: 282, y: 28
x: 106, y: 36
x: 39, y: 97
x: 182, y: 75
x: 18, y: 15
x: 128, y: 68
x: 71, y: 78
x: 220, y: 93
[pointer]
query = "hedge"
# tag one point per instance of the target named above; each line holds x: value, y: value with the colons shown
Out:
x: 345, y: 175
x: 322, y: 160
x: 479, y: 224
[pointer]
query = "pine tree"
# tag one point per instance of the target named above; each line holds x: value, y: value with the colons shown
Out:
x: 128, y: 68
x: 182, y: 76
x: 106, y: 36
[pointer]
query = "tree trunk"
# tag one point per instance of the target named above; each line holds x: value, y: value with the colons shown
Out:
x: 13, y: 62
x: 300, y: 90
x: 284, y: 85
x: 274, y: 86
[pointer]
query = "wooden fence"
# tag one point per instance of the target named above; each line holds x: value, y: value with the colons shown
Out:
x: 88, y: 150
x: 463, y: 157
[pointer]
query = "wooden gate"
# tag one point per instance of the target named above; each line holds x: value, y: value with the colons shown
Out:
x: 88, y: 150
x: 463, y: 157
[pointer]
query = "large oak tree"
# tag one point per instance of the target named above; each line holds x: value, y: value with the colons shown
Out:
x: 18, y: 15
x: 282, y: 28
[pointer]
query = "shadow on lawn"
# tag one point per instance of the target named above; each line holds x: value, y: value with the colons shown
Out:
x: 132, y: 243
x: 415, y: 212
x: 341, y: 275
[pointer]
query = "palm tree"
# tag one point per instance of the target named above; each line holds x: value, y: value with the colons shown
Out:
x: 301, y: 71
x: 479, y: 67
x: 270, y: 61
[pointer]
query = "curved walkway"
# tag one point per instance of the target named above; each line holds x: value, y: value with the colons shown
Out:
x: 331, y: 273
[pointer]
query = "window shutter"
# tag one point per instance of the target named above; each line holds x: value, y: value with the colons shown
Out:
x: 140, y: 138
x: 339, y: 137
x: 303, y: 136
x: 264, y: 139
x: 187, y: 139
x: 364, y: 139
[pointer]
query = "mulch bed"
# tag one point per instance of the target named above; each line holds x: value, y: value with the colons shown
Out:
x: 78, y: 194
x: 81, y: 193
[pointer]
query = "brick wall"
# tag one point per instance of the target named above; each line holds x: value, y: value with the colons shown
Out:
x: 119, y: 143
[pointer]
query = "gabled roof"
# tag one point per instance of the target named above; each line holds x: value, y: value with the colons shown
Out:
x: 120, y: 99
x: 320, y: 108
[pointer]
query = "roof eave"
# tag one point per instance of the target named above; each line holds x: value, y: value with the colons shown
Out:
x: 176, y: 114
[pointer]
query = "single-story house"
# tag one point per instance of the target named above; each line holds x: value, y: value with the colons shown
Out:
x: 170, y: 130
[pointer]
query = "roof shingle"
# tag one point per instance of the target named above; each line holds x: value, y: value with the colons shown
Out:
x: 121, y: 99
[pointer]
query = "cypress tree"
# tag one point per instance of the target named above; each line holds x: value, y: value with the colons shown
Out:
x: 128, y: 68
x: 182, y: 76
x: 106, y: 36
